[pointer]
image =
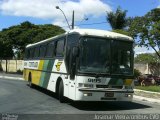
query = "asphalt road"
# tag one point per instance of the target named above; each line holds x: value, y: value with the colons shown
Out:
x: 16, y: 97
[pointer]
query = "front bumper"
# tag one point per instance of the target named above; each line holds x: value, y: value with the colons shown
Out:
x: 91, y: 94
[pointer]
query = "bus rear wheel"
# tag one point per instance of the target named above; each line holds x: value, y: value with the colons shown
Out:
x: 61, y: 92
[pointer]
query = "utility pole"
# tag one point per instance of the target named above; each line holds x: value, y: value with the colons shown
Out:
x: 57, y: 7
x: 73, y: 20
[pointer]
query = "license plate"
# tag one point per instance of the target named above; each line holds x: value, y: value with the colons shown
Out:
x: 109, y: 94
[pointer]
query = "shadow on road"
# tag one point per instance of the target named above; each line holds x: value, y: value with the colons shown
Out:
x: 108, y: 106
x: 98, y: 106
x: 45, y: 91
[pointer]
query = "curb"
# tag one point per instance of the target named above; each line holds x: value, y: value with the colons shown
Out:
x: 146, y: 99
x: 138, y: 90
x: 13, y: 78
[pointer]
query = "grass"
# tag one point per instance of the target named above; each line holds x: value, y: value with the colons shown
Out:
x: 149, y: 88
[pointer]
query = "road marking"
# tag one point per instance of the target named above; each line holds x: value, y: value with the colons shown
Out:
x: 13, y: 78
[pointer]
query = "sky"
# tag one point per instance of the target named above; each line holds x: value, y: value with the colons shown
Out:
x: 88, y: 13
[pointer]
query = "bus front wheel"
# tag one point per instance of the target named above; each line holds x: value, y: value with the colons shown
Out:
x: 61, y: 92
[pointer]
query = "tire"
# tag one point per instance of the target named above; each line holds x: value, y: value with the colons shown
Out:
x: 30, y: 81
x: 61, y: 92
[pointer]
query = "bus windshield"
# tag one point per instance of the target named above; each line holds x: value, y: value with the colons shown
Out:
x: 95, y: 55
x: 122, y: 57
x: 99, y: 55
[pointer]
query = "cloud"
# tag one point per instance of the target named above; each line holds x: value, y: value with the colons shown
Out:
x: 140, y: 50
x: 45, y: 9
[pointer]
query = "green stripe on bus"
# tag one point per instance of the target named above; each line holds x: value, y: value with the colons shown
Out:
x: 45, y: 65
x: 42, y: 79
x: 48, y: 74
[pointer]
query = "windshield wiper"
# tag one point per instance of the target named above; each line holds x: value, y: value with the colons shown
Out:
x: 95, y: 74
x: 101, y: 74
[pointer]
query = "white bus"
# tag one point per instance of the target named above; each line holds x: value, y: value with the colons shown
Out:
x: 83, y: 65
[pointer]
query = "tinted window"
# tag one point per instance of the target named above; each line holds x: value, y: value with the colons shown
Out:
x: 60, y: 48
x: 31, y: 53
x: 42, y: 50
x: 121, y: 57
x: 95, y: 55
x: 36, y: 52
x: 50, y: 49
x: 27, y: 53
x: 72, y: 40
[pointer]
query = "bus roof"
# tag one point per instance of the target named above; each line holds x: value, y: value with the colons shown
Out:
x: 89, y: 32
x: 101, y: 33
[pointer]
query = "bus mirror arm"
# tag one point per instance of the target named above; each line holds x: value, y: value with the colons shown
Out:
x: 75, y: 53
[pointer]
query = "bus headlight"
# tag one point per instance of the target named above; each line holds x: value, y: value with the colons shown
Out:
x: 128, y: 95
x: 85, y: 85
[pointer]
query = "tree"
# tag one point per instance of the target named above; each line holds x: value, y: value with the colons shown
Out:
x: 147, y: 30
x: 137, y: 73
x: 26, y: 33
x: 121, y: 31
x: 118, y: 19
x: 6, y: 51
x: 147, y: 58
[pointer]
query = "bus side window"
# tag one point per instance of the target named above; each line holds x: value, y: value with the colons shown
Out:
x: 42, y: 51
x: 36, y: 52
x: 50, y: 49
x: 31, y: 54
x: 26, y: 54
x: 60, y: 48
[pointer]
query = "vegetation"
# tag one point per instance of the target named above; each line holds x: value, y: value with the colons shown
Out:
x: 136, y: 73
x: 119, y: 22
x: 118, y: 19
x: 147, y: 30
x: 147, y: 58
x: 149, y: 88
x: 15, y: 38
x: 5, y: 47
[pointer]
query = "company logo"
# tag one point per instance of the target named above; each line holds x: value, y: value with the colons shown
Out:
x: 94, y: 80
x: 58, y: 66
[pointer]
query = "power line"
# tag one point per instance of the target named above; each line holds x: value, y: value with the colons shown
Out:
x: 91, y: 23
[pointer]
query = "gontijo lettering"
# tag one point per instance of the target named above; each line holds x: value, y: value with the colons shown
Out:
x: 33, y: 64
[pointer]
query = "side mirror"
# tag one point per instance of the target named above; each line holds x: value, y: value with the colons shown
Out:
x: 75, y: 51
